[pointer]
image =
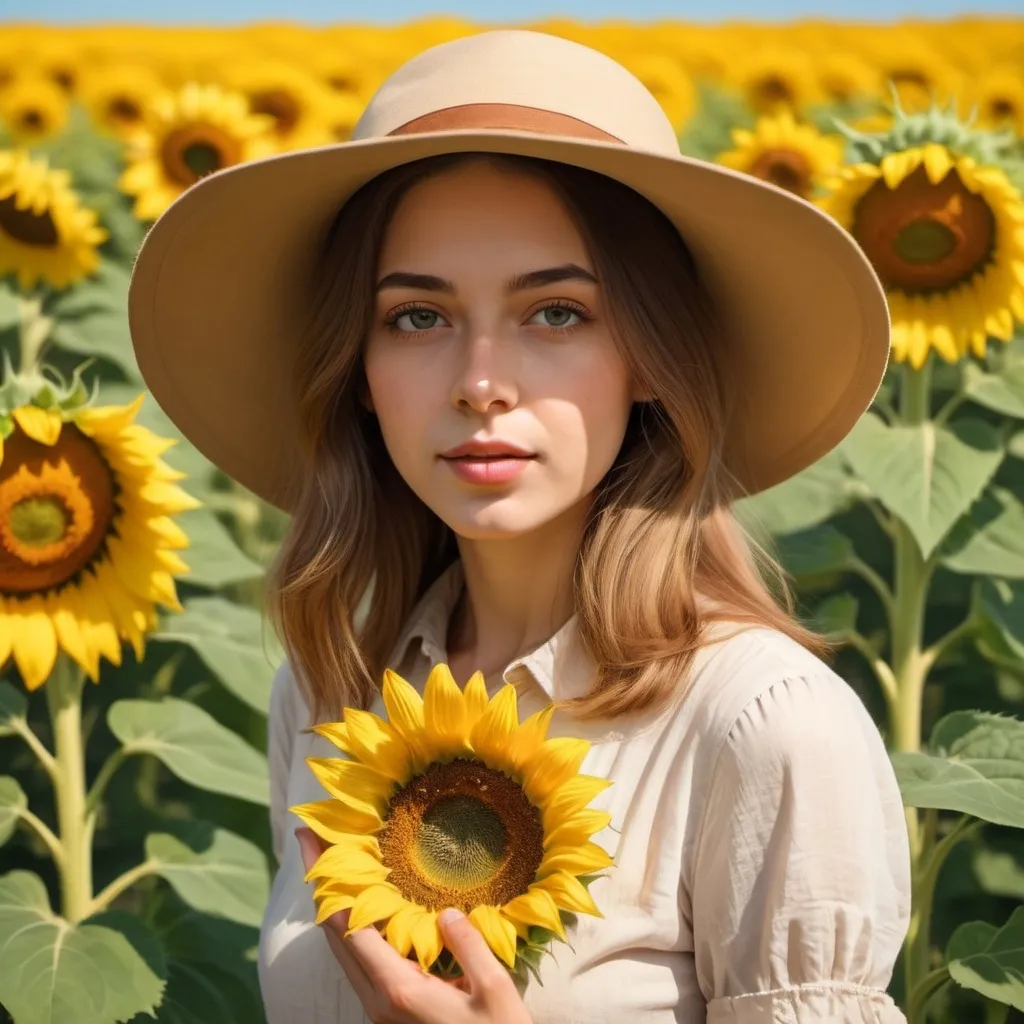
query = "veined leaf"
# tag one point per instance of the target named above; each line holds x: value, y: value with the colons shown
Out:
x: 927, y: 475
x: 990, y: 540
x: 836, y: 616
x: 228, y: 878
x: 13, y: 705
x: 193, y: 745
x: 977, y: 768
x: 57, y: 973
x: 232, y: 641
x: 1000, y: 872
x: 820, y: 549
x: 801, y: 502
x: 1002, y: 604
x: 990, y: 960
x: 12, y: 802
x: 1002, y: 392
x: 90, y: 318
x: 213, y: 557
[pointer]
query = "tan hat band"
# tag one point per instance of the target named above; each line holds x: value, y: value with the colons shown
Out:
x: 507, y: 116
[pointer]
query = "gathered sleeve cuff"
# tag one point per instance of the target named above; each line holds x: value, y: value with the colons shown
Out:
x: 801, y: 885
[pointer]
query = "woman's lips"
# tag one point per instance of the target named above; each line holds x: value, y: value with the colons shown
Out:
x: 490, y: 469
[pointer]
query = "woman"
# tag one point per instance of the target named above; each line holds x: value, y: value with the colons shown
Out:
x: 540, y: 353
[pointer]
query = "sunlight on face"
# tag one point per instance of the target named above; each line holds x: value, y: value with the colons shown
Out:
x: 465, y: 346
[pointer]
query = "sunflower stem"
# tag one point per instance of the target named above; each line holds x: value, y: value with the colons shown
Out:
x: 64, y: 697
x: 43, y: 756
x: 99, y: 786
x: 50, y: 841
x: 34, y: 332
x: 121, y: 884
x: 911, y: 664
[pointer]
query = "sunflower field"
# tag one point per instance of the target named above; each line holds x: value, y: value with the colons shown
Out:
x: 135, y: 661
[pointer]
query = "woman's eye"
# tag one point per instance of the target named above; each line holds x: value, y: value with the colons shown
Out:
x: 418, y: 320
x: 556, y: 316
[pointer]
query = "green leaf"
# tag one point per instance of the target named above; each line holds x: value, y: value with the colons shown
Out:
x: 56, y: 973
x: 232, y: 641
x: 193, y: 745
x: 12, y: 802
x: 927, y: 475
x: 1001, y: 392
x: 92, y: 319
x: 1000, y: 872
x: 990, y: 960
x: 820, y: 549
x: 836, y: 616
x: 990, y: 540
x: 977, y: 768
x: 1002, y: 604
x: 13, y: 705
x: 228, y: 878
x: 801, y: 502
x: 213, y: 557
x: 1016, y: 445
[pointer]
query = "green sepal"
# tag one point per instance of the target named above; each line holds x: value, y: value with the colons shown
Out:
x: 6, y: 426
x: 45, y: 388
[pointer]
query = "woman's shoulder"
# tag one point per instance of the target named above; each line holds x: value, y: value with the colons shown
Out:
x: 760, y: 682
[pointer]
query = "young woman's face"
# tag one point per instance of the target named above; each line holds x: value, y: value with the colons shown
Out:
x: 489, y: 326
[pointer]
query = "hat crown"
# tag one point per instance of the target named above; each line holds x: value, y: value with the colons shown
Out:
x: 520, y: 68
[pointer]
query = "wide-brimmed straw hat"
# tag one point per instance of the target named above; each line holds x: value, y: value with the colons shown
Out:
x: 222, y: 285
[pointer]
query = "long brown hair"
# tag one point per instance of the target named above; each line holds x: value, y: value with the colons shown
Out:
x: 660, y: 535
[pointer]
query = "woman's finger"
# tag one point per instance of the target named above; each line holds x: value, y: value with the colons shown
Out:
x: 479, y: 964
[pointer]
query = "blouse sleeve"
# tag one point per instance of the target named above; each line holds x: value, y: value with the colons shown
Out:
x: 801, y: 885
x: 282, y: 726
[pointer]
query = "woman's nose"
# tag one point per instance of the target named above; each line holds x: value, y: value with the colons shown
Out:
x: 488, y: 372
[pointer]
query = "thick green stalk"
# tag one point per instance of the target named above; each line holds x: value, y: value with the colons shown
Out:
x: 34, y: 332
x: 64, y: 696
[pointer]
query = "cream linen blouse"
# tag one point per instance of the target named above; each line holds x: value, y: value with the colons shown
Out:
x: 762, y: 869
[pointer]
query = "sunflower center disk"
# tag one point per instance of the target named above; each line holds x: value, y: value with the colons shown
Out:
x: 462, y: 834
x: 57, y: 505
x: 785, y: 169
x: 27, y: 227
x: 279, y: 105
x: 196, y: 150
x: 924, y: 238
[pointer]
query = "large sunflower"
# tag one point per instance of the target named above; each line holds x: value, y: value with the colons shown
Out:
x: 771, y: 80
x: 45, y: 232
x: 87, y: 545
x: 946, y: 237
x: 999, y: 94
x: 453, y: 802
x: 296, y: 102
x: 33, y: 108
x: 792, y: 156
x: 194, y: 132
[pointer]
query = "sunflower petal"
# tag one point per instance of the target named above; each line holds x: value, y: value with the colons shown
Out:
x: 536, y: 907
x: 571, y: 797
x: 404, y: 706
x: 475, y: 696
x: 491, y: 735
x: 357, y: 785
x: 34, y: 643
x: 336, y: 733
x: 576, y: 860
x: 333, y: 820
x: 499, y: 931
x: 557, y: 761
x: 444, y: 710
x: 42, y: 425
x: 577, y: 829
x: 374, y: 904
x: 333, y: 903
x: 426, y: 938
x: 348, y: 865
x: 377, y: 744
x: 531, y: 735
x: 569, y: 893
x: 400, y: 928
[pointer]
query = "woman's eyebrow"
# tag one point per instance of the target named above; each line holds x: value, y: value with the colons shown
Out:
x: 519, y: 283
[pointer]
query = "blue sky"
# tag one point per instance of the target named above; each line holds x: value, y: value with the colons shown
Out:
x: 220, y: 12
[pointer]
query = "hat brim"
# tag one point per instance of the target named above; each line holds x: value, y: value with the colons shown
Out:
x: 221, y: 287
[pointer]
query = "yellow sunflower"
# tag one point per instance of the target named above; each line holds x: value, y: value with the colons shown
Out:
x: 295, y: 101
x: 195, y: 132
x: 454, y: 802
x: 33, y: 108
x: 946, y: 237
x: 999, y: 95
x: 120, y: 98
x: 87, y: 543
x: 45, y: 232
x: 773, y: 79
x: 792, y: 156
x: 844, y: 77
x: 666, y: 80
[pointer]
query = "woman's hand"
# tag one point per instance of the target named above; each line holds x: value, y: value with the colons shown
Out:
x: 394, y: 990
